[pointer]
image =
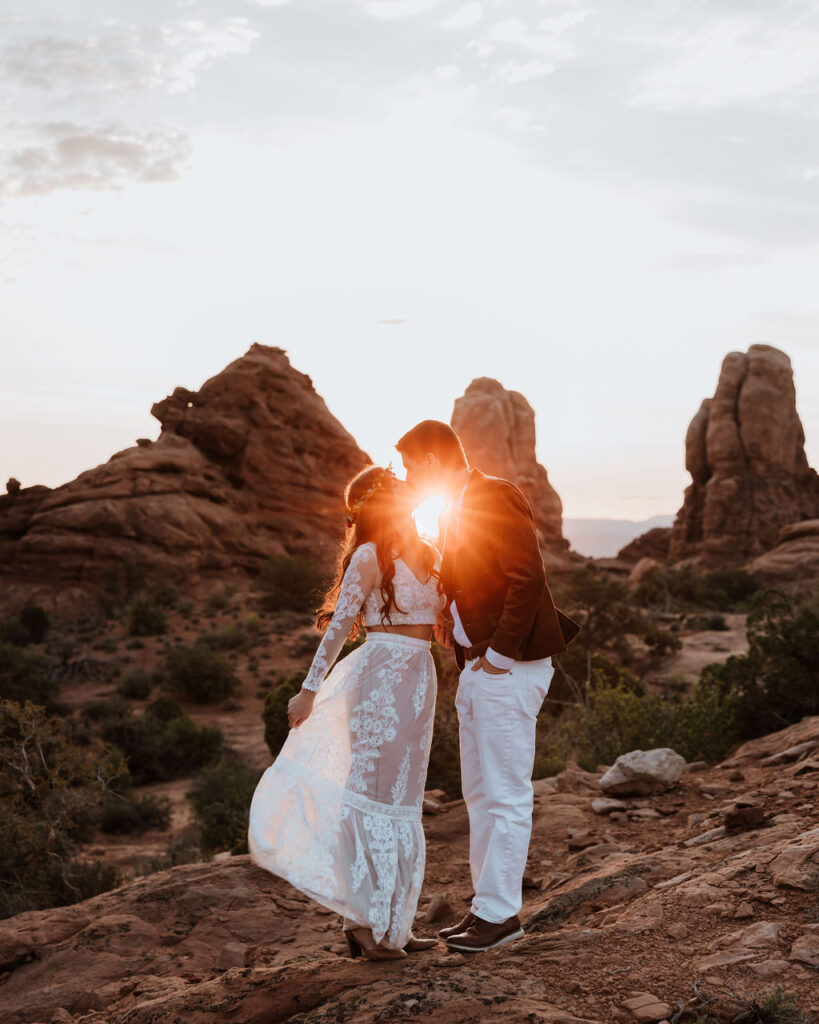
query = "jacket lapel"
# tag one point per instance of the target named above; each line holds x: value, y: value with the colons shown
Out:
x: 457, y: 525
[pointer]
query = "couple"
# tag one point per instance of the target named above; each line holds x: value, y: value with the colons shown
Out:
x: 338, y: 814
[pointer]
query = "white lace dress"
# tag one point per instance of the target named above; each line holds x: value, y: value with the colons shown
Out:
x: 338, y: 813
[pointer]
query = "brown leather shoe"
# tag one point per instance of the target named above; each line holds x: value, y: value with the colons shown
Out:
x: 456, y: 929
x: 482, y: 935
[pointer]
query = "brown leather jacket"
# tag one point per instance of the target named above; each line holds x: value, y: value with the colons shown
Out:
x: 494, y: 572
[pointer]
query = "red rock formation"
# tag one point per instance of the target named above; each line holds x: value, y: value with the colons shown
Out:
x: 651, y: 544
x: 251, y: 465
x: 497, y: 428
x: 795, y: 557
x: 745, y: 452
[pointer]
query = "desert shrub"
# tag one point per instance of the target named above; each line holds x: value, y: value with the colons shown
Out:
x: 228, y: 638
x: 48, y: 791
x: 136, y: 684
x: 36, y: 622
x: 24, y: 675
x: 290, y: 583
x: 252, y: 622
x: 274, y: 712
x: 682, y: 588
x: 602, y: 650
x: 29, y: 626
x: 126, y: 814
x: 146, y: 617
x: 613, y: 720
x: 102, y: 708
x: 198, y: 672
x: 163, y: 742
x: 219, y: 600
x: 775, y: 683
x: 221, y: 799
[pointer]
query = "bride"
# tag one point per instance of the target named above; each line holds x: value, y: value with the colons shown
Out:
x: 338, y: 813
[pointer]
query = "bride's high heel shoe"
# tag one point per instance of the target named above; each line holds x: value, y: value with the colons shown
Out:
x: 360, y: 942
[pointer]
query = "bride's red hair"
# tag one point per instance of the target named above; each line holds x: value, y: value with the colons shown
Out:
x: 375, y: 517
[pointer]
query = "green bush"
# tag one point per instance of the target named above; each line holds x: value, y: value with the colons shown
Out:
x: 146, y: 617
x: 274, y: 712
x: 290, y: 583
x: 221, y: 800
x: 48, y: 792
x: 125, y: 814
x: 713, y: 621
x: 199, y: 673
x: 775, y: 683
x: 24, y: 675
x: 228, y: 638
x: 683, y: 588
x: 29, y: 626
x: 135, y: 684
x: 163, y: 742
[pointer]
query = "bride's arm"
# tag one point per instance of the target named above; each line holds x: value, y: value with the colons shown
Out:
x: 359, y: 579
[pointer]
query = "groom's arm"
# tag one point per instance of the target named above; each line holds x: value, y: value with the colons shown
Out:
x: 513, y: 539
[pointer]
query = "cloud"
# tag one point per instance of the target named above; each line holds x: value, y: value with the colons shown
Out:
x: 463, y: 17
x: 70, y: 156
x: 392, y: 9
x: 735, y: 59
x: 127, y: 57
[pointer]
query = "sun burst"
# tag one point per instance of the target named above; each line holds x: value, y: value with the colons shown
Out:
x: 427, y: 516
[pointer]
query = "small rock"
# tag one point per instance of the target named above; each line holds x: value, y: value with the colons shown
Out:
x: 644, y: 812
x: 707, y: 837
x: 449, y: 961
x: 768, y: 968
x: 528, y: 882
x: 806, y: 950
x: 439, y: 908
x: 736, y: 776
x: 677, y: 930
x: 744, y: 910
x: 605, y: 805
x: 642, y: 772
x: 233, y: 954
x: 580, y: 840
x: 60, y: 1015
x: 743, y: 814
x: 697, y: 766
x: 646, y: 1007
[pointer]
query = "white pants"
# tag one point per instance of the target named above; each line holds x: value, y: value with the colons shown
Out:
x: 497, y: 716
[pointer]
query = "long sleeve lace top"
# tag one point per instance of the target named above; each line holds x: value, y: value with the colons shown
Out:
x: 419, y: 603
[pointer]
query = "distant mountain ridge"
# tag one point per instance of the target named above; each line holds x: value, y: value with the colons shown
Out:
x: 603, y: 538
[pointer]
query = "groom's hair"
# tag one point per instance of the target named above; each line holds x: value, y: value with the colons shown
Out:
x: 438, y: 438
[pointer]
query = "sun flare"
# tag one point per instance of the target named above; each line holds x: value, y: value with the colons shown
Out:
x: 427, y: 515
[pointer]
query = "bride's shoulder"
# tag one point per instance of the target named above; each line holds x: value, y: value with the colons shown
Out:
x: 365, y: 554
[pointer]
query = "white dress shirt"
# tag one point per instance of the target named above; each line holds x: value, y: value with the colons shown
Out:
x: 502, y: 661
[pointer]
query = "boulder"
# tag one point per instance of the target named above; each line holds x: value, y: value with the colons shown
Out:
x: 745, y: 451
x: 642, y: 772
x: 795, y: 556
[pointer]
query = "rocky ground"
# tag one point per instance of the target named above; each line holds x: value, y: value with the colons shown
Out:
x: 631, y: 911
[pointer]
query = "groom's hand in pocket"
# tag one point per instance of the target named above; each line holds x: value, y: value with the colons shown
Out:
x: 487, y: 666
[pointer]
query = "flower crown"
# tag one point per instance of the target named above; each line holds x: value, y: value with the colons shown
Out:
x: 356, y: 507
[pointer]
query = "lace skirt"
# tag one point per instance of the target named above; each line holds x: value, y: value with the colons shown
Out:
x: 338, y: 813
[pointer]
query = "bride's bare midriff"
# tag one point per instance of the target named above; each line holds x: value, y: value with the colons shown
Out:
x: 419, y: 632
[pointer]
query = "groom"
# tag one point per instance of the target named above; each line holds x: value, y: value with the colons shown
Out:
x: 504, y: 627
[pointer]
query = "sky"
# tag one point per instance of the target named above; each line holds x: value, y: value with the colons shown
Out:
x: 592, y: 203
